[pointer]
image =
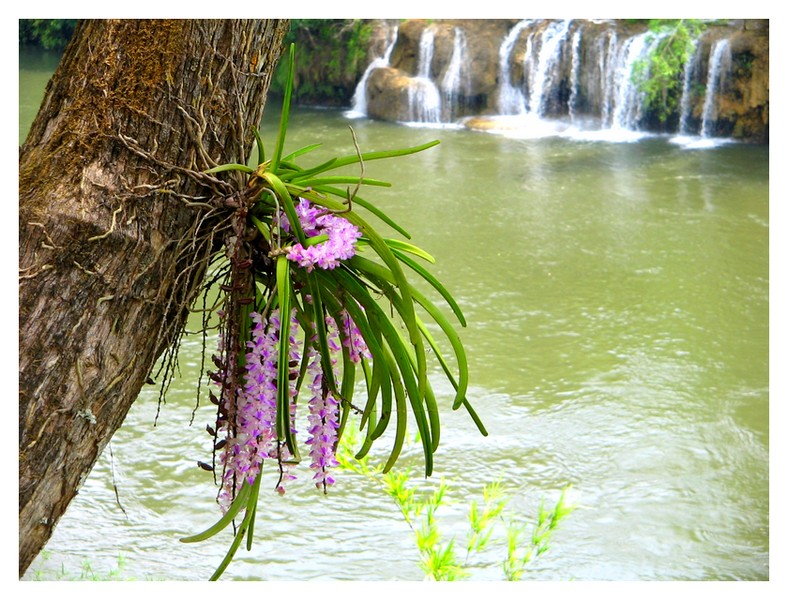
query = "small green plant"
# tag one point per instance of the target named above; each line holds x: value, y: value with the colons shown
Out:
x: 659, y: 74
x: 547, y: 522
x: 438, y: 557
x: 87, y: 573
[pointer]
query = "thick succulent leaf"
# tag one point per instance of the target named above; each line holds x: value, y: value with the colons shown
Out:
x: 430, y: 278
x: 251, y: 510
x: 284, y: 296
x: 240, y: 502
x: 301, y: 151
x: 399, y: 352
x: 369, y: 156
x: 231, y: 167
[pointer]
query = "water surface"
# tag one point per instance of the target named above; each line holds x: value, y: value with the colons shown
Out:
x: 617, y: 300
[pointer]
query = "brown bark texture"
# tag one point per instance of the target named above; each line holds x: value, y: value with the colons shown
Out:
x: 115, y: 222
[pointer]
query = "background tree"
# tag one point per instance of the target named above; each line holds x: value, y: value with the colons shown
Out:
x: 117, y: 221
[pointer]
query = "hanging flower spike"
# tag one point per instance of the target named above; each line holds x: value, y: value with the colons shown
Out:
x: 279, y: 449
x: 352, y: 338
x: 316, y: 222
x: 255, y: 435
x: 323, y: 412
x: 256, y: 414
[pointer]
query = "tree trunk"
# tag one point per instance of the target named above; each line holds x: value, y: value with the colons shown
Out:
x: 116, y: 225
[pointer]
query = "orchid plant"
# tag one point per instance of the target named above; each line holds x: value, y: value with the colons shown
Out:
x: 312, y: 296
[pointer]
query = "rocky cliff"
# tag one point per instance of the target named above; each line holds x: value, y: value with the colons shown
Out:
x: 447, y: 70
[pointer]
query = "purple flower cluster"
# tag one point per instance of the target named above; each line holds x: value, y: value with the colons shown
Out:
x: 352, y: 339
x: 323, y: 423
x: 316, y: 222
x: 255, y: 409
x: 323, y: 407
x: 251, y: 409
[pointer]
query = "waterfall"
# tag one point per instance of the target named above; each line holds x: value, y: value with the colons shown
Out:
x: 511, y: 100
x: 574, y: 82
x: 426, y: 50
x: 605, y: 75
x: 628, y: 108
x: 554, y: 77
x: 456, y: 81
x: 719, y: 66
x: 685, y: 106
x: 543, y: 70
x: 359, y: 102
x: 424, y: 99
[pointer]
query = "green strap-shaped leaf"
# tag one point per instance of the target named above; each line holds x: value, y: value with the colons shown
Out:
x: 402, y: 412
x: 286, y: 202
x: 231, y: 167
x: 314, y: 182
x: 284, y: 295
x: 352, y: 159
x: 285, y: 117
x: 288, y: 169
x: 303, y: 173
x: 430, y: 278
x: 239, y: 502
x: 432, y: 406
x: 428, y: 396
x: 400, y: 356
x: 357, y: 200
x: 367, y: 444
x: 398, y: 247
x: 261, y: 228
x: 409, y: 314
x: 322, y: 333
x: 456, y: 344
x: 242, y: 529
x: 380, y: 374
x: 379, y: 272
x: 301, y: 151
x: 260, y: 146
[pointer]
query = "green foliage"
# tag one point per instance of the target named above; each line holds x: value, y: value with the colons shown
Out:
x: 332, y: 54
x: 50, y: 34
x: 539, y: 543
x: 659, y: 75
x: 438, y: 557
x: 87, y: 573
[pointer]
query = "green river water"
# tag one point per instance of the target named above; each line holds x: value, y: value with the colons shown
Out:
x: 617, y: 296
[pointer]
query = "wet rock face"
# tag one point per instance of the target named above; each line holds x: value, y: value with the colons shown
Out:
x: 744, y: 106
x: 387, y: 94
x: 387, y: 87
x: 741, y: 107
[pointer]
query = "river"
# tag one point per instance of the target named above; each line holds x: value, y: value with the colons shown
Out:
x: 617, y: 297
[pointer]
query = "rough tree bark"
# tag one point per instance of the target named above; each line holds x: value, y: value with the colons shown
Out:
x: 116, y: 222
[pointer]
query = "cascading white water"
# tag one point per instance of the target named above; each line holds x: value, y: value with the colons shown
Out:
x: 426, y: 51
x: 511, y: 100
x: 595, y: 76
x: 574, y: 82
x: 719, y: 67
x: 542, y: 69
x: 359, y: 102
x: 628, y: 99
x: 685, y: 105
x: 456, y: 80
x: 424, y: 99
x: 606, y: 74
